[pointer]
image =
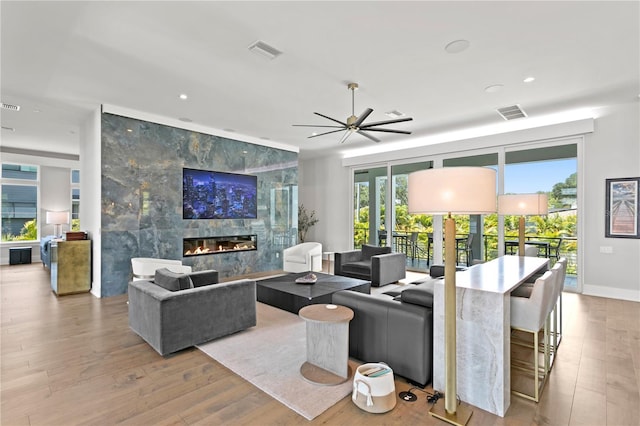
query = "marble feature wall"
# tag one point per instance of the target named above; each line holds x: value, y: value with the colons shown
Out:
x: 142, y: 166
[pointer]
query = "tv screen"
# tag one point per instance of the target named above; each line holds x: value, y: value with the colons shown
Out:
x: 218, y: 195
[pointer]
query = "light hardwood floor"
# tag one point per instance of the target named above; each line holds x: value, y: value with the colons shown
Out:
x: 73, y: 360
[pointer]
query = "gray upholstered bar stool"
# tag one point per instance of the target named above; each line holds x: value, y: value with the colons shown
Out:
x: 531, y: 315
x: 555, y: 330
x: 555, y: 316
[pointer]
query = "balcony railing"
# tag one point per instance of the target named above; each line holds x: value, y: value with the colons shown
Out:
x: 419, y: 247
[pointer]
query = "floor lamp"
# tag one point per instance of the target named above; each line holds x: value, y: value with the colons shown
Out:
x: 521, y: 205
x: 57, y: 219
x: 452, y: 190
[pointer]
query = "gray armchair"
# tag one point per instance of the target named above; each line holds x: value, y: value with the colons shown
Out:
x: 372, y: 263
x: 178, y: 311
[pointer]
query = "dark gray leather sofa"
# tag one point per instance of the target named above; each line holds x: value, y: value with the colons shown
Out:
x: 371, y: 263
x: 178, y: 311
x: 395, y: 330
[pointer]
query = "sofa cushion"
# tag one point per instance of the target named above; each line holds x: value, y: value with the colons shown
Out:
x: 296, y: 259
x: 363, y: 267
x: 369, y: 250
x: 418, y: 296
x: 172, y: 281
x: 204, y: 278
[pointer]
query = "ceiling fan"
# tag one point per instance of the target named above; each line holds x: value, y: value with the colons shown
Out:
x: 355, y: 124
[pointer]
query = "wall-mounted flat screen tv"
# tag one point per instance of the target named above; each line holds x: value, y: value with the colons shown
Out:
x: 218, y: 195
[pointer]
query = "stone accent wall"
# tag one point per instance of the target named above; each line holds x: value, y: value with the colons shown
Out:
x: 142, y: 166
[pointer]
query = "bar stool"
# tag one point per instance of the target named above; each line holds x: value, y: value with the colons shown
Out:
x: 553, y: 315
x: 553, y: 332
x: 557, y: 331
x: 531, y: 315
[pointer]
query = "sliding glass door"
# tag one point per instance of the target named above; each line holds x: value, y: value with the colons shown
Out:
x: 551, y: 170
x: 476, y: 235
x: 412, y: 233
x: 381, y: 214
x: 369, y: 203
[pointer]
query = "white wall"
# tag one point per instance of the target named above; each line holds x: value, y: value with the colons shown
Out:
x: 612, y: 150
x: 55, y: 195
x: 324, y: 187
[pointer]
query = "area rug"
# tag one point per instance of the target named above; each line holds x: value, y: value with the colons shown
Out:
x: 270, y: 355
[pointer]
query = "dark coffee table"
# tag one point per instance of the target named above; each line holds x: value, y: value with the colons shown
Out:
x: 284, y: 293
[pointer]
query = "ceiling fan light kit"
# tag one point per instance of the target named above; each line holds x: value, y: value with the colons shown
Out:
x: 356, y: 124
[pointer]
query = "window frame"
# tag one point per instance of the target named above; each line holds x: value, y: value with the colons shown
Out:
x: 22, y: 182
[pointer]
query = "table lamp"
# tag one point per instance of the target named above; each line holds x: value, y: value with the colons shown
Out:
x: 57, y: 219
x: 452, y: 190
x: 522, y: 204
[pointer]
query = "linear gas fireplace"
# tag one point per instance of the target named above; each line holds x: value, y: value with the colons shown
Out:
x: 216, y: 245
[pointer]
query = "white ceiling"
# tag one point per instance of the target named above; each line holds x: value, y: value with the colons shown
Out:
x: 64, y: 59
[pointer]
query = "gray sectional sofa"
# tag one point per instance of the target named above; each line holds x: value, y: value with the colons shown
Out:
x: 177, y: 311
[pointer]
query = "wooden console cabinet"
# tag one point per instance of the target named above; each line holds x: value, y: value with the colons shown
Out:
x: 70, y: 266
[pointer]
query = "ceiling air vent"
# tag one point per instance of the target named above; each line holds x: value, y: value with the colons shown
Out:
x: 11, y: 107
x: 511, y: 112
x: 263, y: 49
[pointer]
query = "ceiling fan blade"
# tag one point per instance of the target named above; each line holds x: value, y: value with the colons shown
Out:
x: 325, y: 133
x: 362, y: 117
x: 380, y: 123
x: 376, y: 140
x: 332, y: 119
x: 316, y: 125
x: 404, y: 132
x: 346, y: 135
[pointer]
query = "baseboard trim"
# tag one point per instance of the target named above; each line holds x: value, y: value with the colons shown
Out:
x: 611, y: 292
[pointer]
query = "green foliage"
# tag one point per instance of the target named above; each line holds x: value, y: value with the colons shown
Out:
x: 29, y: 232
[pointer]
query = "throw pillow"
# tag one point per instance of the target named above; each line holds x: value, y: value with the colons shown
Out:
x: 369, y: 250
x: 418, y: 296
x: 172, y: 281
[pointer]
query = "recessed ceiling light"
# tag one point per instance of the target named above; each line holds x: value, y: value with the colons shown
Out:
x: 394, y: 114
x: 183, y: 96
x: 245, y: 151
x: 457, y: 46
x: 493, y: 88
x: 129, y: 130
x: 529, y: 79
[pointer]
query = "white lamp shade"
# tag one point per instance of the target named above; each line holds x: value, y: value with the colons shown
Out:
x: 458, y: 190
x: 523, y: 204
x: 57, y: 218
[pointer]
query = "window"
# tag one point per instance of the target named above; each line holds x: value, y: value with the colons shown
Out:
x: 19, y: 190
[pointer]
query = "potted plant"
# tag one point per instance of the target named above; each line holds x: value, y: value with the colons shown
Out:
x: 305, y: 221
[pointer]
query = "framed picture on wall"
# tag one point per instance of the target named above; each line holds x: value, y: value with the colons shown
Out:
x: 622, y: 203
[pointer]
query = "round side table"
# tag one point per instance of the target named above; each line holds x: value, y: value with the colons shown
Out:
x: 327, y: 344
